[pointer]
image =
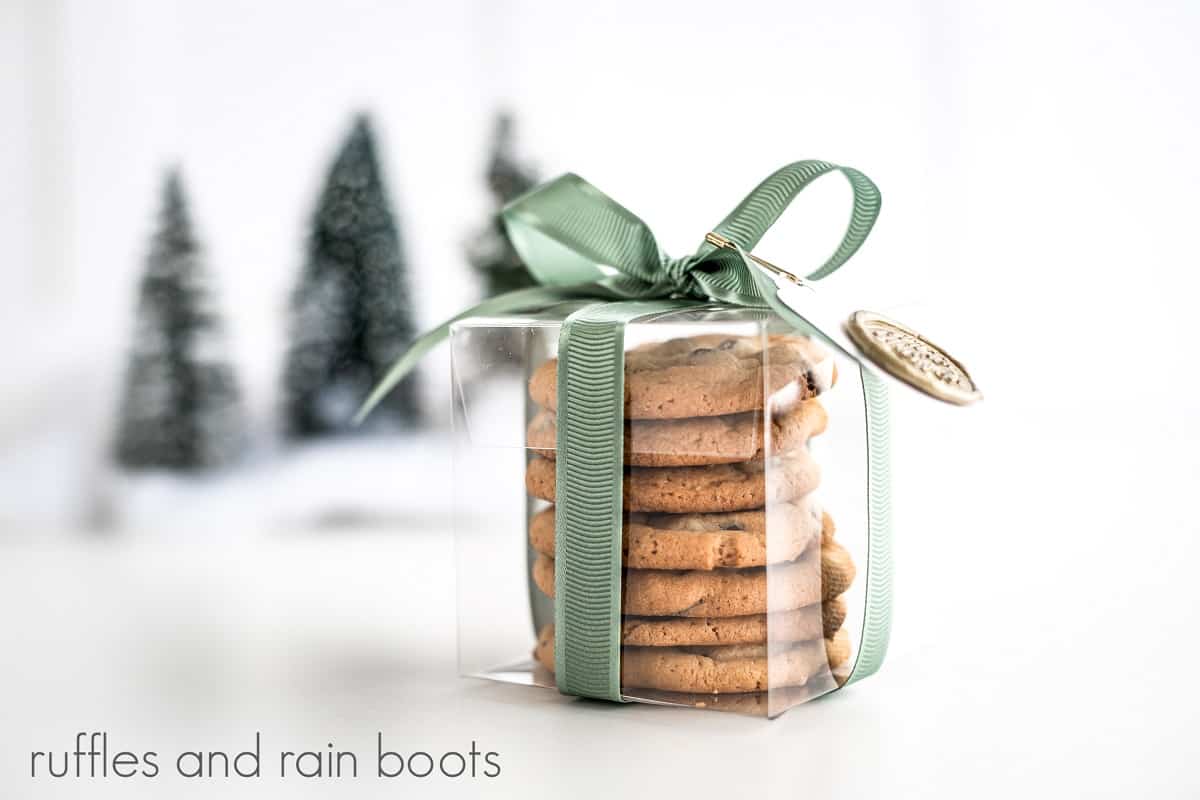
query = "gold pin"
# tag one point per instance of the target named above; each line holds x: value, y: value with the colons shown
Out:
x: 894, y: 348
x: 720, y: 241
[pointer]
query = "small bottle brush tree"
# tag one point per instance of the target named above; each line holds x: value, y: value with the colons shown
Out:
x: 490, y: 252
x: 181, y: 407
x: 351, y: 314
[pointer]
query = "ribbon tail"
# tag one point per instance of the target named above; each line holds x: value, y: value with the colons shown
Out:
x: 533, y: 298
x: 764, y: 282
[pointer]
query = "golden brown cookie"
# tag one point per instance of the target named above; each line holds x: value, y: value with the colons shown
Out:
x: 704, y: 541
x: 719, y: 669
x: 833, y: 615
x: 798, y: 625
x: 828, y: 529
x: 726, y: 592
x: 837, y: 569
x: 719, y: 487
x: 709, y: 375
x: 696, y: 441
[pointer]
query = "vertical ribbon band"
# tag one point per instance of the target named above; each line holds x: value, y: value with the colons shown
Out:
x: 587, y: 495
x: 877, y: 611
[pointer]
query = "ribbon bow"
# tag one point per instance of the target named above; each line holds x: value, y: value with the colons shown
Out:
x: 579, y: 243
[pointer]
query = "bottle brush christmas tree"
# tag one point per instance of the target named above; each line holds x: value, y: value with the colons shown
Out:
x: 181, y: 407
x: 490, y: 252
x: 351, y: 313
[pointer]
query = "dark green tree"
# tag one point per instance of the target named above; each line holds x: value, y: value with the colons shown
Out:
x: 181, y: 407
x: 489, y: 251
x: 351, y: 314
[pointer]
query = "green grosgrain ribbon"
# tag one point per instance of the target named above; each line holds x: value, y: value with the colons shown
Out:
x: 581, y: 244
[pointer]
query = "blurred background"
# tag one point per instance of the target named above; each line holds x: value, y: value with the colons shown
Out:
x: 254, y: 207
x: 1037, y: 163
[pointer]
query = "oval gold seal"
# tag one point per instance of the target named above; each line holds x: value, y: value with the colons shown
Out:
x: 909, y: 356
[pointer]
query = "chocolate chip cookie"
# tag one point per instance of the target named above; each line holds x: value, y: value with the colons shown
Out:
x: 822, y: 573
x: 709, y: 375
x: 697, y: 441
x: 719, y: 669
x: 718, y: 487
x: 798, y: 625
x: 705, y: 541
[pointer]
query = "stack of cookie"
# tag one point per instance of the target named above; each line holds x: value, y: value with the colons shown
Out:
x: 708, y: 607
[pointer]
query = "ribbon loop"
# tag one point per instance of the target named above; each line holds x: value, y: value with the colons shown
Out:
x: 760, y: 209
x: 574, y: 214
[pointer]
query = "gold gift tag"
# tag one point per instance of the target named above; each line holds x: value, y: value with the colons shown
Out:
x: 909, y: 356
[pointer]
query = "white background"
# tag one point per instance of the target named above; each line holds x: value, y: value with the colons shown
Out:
x: 1040, y: 178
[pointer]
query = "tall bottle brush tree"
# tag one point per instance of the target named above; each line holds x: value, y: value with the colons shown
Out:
x: 181, y: 407
x: 351, y: 313
x: 489, y: 251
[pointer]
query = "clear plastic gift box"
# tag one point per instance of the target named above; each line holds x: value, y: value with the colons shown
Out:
x: 744, y: 553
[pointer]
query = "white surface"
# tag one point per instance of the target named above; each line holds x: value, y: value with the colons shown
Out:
x: 1043, y: 647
